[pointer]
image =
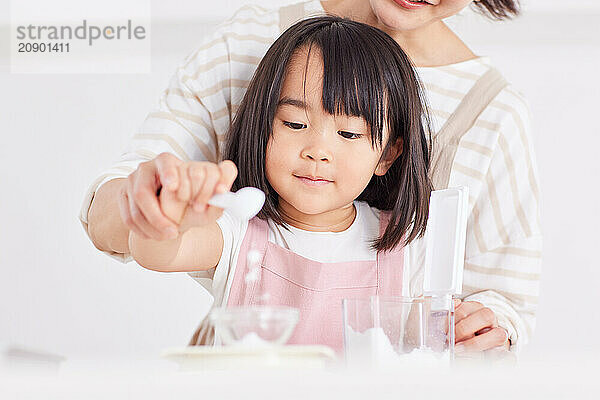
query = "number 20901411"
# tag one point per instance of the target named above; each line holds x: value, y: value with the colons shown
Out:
x: 43, y: 47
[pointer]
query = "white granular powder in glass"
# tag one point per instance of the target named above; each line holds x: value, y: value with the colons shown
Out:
x: 373, y: 347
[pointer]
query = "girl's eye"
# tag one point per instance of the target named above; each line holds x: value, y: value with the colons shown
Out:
x: 294, y: 125
x: 349, y: 135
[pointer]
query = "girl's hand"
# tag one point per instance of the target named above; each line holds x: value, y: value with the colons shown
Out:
x: 476, y: 328
x: 198, y: 182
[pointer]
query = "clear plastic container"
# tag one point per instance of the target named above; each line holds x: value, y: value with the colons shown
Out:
x: 399, y: 331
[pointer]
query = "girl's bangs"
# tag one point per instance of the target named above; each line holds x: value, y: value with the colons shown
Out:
x: 352, y: 85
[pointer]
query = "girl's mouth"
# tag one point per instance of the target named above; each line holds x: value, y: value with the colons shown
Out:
x: 412, y: 4
x: 313, y: 180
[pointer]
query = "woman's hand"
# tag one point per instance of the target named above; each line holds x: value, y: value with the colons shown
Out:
x: 198, y: 182
x: 476, y: 328
x: 138, y: 200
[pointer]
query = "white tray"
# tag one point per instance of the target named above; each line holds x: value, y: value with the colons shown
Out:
x: 201, y: 358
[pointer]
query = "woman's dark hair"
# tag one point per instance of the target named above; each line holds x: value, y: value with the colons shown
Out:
x: 498, y: 9
x: 365, y: 74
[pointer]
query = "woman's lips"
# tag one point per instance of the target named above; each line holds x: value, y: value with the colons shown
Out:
x: 313, y: 180
x: 410, y: 5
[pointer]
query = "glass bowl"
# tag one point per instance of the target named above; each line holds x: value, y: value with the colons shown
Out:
x: 254, y: 326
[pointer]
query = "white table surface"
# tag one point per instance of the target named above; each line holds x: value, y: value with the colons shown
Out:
x: 156, y: 378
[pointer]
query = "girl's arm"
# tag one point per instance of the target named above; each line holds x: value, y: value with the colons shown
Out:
x: 197, y: 249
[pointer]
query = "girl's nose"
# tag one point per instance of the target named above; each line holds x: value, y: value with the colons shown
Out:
x: 317, y: 145
x: 316, y: 153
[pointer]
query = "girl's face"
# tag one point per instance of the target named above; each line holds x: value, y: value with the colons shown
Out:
x: 405, y: 15
x: 315, y: 161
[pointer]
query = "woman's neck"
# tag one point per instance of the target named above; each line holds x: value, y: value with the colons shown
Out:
x: 330, y: 221
x: 428, y: 46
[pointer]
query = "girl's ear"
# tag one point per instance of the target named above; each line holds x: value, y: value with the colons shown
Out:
x: 392, y: 153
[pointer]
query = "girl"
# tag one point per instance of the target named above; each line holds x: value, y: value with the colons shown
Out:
x: 330, y: 129
x: 481, y: 139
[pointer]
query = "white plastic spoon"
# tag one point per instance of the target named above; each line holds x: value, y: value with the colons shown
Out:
x: 244, y: 204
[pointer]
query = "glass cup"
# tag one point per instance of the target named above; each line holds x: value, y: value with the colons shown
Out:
x: 398, y: 331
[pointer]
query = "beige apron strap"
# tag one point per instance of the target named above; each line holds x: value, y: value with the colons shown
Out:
x: 204, y: 335
x: 288, y: 15
x: 445, y: 142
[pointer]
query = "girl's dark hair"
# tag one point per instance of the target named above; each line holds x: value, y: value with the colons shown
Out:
x: 365, y: 74
x: 498, y: 9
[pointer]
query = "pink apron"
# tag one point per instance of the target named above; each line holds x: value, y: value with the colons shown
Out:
x: 315, y: 288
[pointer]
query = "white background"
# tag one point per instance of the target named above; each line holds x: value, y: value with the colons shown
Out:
x: 59, y: 295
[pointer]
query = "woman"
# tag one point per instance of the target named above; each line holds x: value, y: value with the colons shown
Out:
x: 480, y: 134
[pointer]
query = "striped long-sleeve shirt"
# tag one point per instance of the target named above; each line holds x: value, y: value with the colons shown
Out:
x: 495, y: 157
